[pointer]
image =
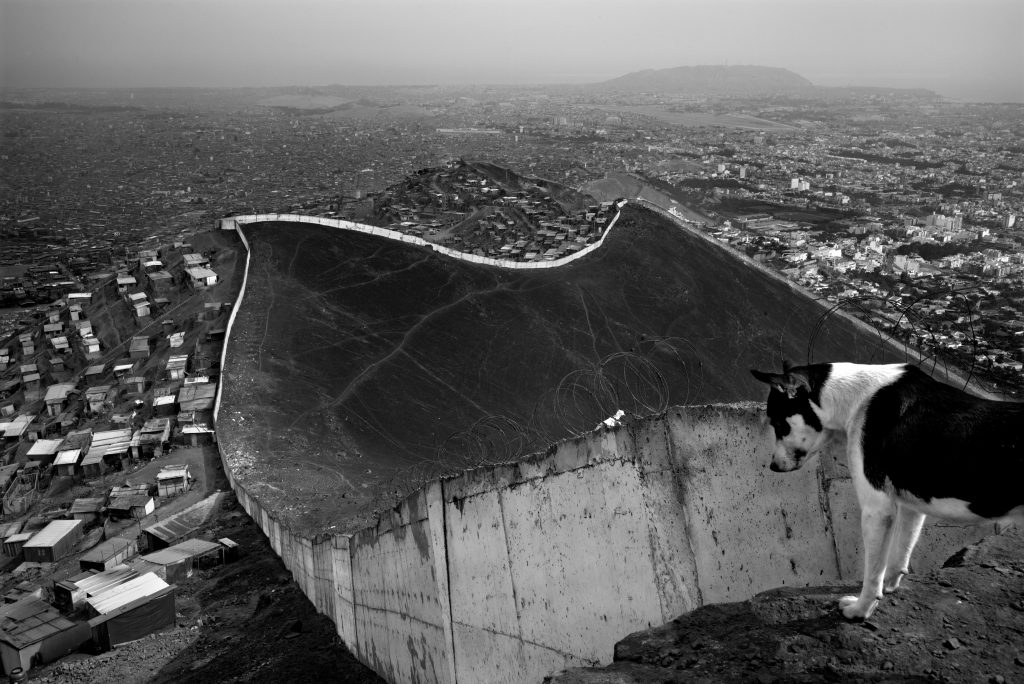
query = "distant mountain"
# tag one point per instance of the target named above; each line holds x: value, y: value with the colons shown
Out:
x: 708, y: 80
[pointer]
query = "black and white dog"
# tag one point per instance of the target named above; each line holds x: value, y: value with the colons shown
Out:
x: 915, y: 447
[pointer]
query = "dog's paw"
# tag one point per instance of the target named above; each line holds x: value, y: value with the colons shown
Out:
x: 854, y: 609
x: 892, y: 583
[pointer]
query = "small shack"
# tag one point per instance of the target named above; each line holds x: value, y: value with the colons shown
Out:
x: 33, y: 632
x: 57, y: 396
x: 99, y: 398
x: 176, y: 563
x: 87, y: 509
x: 108, y: 554
x: 53, y: 542
x: 139, y: 347
x: 132, y: 610
x: 130, y: 501
x: 173, y: 480
x: 71, y: 593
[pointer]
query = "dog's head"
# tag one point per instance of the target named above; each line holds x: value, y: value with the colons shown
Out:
x: 791, y: 411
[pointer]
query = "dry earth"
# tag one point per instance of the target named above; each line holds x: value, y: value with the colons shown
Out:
x: 962, y: 623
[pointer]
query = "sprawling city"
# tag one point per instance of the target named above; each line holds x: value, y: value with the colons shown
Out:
x: 437, y: 365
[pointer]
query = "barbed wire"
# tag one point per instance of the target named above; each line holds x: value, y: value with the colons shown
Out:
x: 922, y: 326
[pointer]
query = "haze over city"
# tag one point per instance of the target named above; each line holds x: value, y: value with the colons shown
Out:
x: 962, y: 50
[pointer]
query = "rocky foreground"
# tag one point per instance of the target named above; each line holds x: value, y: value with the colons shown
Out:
x: 962, y: 623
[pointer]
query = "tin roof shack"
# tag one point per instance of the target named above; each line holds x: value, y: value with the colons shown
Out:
x: 176, y: 563
x: 33, y: 632
x: 197, y: 397
x: 53, y: 542
x: 99, y: 398
x: 70, y: 594
x: 134, y: 384
x: 180, y: 526
x: 139, y: 347
x: 173, y: 480
x: 165, y: 405
x: 161, y: 284
x: 195, y: 261
x: 71, y: 450
x: 15, y: 428
x: 108, y: 554
x: 198, y: 435
x: 57, y: 397
x: 176, y: 366
x: 14, y: 543
x: 130, y: 501
x: 94, y: 375
x: 109, y: 449
x: 87, y: 510
x: 132, y: 610
x: 201, y: 278
x: 152, y: 439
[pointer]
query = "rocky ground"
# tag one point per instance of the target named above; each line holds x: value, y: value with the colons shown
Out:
x: 962, y: 623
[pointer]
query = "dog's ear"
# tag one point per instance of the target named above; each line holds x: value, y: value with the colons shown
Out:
x: 776, y: 380
x: 788, y: 382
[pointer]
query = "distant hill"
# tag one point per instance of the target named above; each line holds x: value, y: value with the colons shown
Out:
x: 354, y: 355
x: 708, y: 80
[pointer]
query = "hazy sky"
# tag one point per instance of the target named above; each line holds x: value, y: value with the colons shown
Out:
x: 968, y: 49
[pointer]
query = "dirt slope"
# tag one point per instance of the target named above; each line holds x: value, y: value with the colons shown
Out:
x: 962, y: 623
x: 355, y: 356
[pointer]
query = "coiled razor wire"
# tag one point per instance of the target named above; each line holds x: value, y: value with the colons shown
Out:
x: 923, y: 326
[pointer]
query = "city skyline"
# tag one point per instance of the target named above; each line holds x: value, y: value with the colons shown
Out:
x: 961, y: 50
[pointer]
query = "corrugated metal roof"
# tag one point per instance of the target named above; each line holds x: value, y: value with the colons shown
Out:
x: 58, y: 391
x: 53, y: 533
x: 44, y: 447
x: 86, y: 505
x: 115, y: 597
x: 29, y: 621
x: 103, y: 581
x: 172, y: 471
x: 67, y: 457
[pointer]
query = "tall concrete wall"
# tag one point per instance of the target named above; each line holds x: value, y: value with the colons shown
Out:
x: 508, y: 573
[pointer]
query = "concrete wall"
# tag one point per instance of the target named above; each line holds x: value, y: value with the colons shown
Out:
x: 236, y: 222
x: 508, y: 573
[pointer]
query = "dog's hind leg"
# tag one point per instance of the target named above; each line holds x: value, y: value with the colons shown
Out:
x: 908, y: 528
x: 876, y: 523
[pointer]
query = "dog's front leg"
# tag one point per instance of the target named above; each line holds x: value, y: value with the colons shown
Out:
x: 908, y: 529
x: 876, y: 521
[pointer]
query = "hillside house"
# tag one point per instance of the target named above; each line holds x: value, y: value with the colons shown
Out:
x: 66, y: 462
x: 100, y: 398
x: 53, y: 542
x: 176, y: 339
x: 56, y: 398
x: 110, y: 448
x: 201, y: 278
x: 108, y: 554
x: 177, y: 365
x: 176, y: 563
x: 195, y: 261
x: 135, y: 384
x: 90, y: 346
x: 87, y: 510
x: 152, y: 440
x: 125, y: 368
x: 130, y: 501
x: 161, y: 284
x: 198, y: 435
x: 61, y: 344
x: 125, y: 283
x: 197, y: 396
x: 130, y: 611
x: 173, y: 480
x: 43, y: 451
x: 33, y: 632
x: 93, y: 375
x: 139, y: 347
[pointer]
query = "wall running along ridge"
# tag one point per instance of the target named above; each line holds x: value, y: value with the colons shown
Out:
x: 510, y: 573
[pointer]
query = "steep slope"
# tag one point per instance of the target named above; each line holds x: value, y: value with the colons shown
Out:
x: 356, y: 357
x: 708, y: 80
